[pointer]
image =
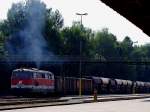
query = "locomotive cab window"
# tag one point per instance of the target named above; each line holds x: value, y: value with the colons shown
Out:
x: 43, y: 75
x: 34, y: 75
x: 51, y: 76
x: 22, y: 75
x: 39, y: 75
x: 46, y: 76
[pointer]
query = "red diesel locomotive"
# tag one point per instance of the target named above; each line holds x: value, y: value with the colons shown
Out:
x: 32, y: 80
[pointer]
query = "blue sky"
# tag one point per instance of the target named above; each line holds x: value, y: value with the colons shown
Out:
x: 99, y: 16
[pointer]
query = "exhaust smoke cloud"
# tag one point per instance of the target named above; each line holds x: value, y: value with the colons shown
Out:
x: 28, y: 44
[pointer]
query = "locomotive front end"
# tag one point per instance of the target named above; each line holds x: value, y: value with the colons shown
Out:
x: 25, y: 81
x: 21, y: 81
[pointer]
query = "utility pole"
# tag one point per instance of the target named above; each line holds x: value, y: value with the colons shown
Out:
x: 80, y: 65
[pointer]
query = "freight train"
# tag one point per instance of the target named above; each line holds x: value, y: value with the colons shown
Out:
x: 25, y: 81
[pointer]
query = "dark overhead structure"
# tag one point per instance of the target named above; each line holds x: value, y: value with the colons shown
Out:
x: 136, y: 11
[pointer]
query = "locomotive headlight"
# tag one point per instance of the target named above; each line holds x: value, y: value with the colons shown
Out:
x: 19, y: 85
x: 20, y: 82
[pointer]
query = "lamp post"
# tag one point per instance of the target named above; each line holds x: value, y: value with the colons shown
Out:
x: 80, y: 65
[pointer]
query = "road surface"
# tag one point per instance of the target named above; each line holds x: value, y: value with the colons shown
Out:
x: 138, y: 105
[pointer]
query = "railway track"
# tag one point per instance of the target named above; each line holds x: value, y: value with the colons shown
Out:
x: 18, y: 101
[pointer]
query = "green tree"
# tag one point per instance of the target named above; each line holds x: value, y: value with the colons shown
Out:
x: 4, y: 28
x: 76, y: 37
x: 54, y: 23
x: 2, y: 45
x: 126, y: 47
x: 17, y: 17
x: 106, y: 44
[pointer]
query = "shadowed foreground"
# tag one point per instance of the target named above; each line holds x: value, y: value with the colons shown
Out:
x: 139, y: 105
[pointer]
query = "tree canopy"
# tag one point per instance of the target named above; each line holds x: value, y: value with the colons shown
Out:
x: 37, y: 34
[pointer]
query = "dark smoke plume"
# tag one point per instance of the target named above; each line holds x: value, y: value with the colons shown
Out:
x: 31, y: 43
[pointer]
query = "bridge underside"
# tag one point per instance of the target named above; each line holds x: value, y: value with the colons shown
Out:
x: 136, y: 11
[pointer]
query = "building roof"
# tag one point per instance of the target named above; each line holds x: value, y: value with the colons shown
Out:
x: 31, y: 70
